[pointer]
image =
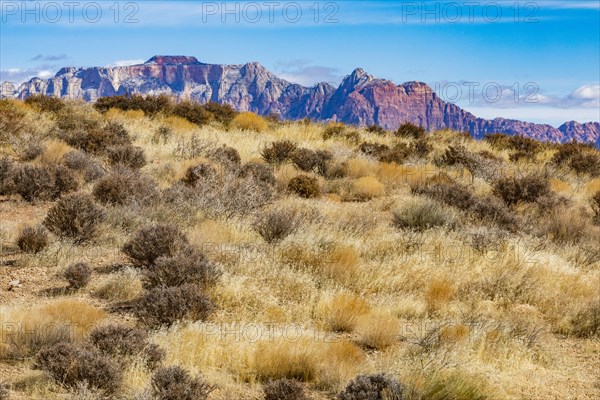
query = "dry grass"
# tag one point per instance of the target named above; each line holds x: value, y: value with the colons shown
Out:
x: 454, y: 307
x: 342, y: 311
x: 26, y: 330
x: 250, y: 122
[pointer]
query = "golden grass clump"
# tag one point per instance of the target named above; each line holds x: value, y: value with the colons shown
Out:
x: 377, y: 330
x: 367, y: 188
x: 248, y: 121
x: 26, y: 330
x: 290, y: 358
x: 342, y: 312
x: 124, y: 285
x: 438, y: 294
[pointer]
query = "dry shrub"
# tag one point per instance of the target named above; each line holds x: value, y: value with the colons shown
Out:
x: 527, y: 189
x: 222, y: 113
x: 193, y: 112
x: 278, y: 152
x: 373, y: 149
x: 25, y: 331
x: 337, y: 262
x: 284, y: 389
x: 175, y: 383
x: 43, y: 182
x: 438, y: 294
x: 367, y: 188
x: 201, y: 174
x: 312, y: 161
x: 72, y: 366
x: 565, y: 226
x: 182, y: 269
x: 125, y: 341
x: 443, y: 188
x: 45, y: 103
x: 420, y: 148
x: 422, y: 214
x: 152, y: 242
x: 259, y: 171
x: 123, y: 186
x: 165, y: 306
x: 33, y: 239
x: 305, y: 186
x: 226, y: 155
x: 586, y: 323
x: 80, y: 161
x: 250, y: 122
x: 162, y: 134
x: 150, y: 105
x: 127, y: 156
x: 122, y: 287
x: 580, y: 157
x: 377, y: 331
x: 75, y: 216
x: 342, y: 312
x: 276, y: 224
x: 279, y: 359
x: 376, y: 129
x: 97, y: 140
x: 7, y: 185
x: 78, y: 275
x: 340, y: 131
x: 373, y: 387
x: 398, y: 153
x: 595, y: 204
x: 5, y: 391
x: 408, y: 130
x: 31, y: 151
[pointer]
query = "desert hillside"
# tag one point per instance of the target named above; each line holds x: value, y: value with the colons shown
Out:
x: 159, y: 250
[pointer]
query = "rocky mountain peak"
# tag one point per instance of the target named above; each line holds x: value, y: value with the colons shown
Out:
x: 360, y: 99
x: 173, y: 60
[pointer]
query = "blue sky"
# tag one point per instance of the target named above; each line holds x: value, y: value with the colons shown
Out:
x: 538, y: 61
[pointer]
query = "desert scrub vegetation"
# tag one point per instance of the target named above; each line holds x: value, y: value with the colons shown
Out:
x: 293, y: 260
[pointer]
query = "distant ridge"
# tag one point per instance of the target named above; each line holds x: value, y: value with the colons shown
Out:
x: 360, y: 98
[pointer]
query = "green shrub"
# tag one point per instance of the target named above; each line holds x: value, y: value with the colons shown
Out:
x: 276, y: 224
x: 305, y: 186
x: 373, y: 387
x: 182, y: 269
x: 152, y: 242
x: 72, y: 366
x: 408, y: 130
x: 278, y: 152
x: 75, y: 216
x: 175, y: 383
x: 127, y: 156
x: 78, y: 275
x: 33, y: 239
x: 284, y: 389
x: 527, y: 189
x: 166, y: 305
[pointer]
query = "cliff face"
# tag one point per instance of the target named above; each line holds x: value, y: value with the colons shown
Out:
x: 360, y: 99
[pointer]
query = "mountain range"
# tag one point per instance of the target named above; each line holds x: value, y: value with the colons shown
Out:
x: 360, y: 99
